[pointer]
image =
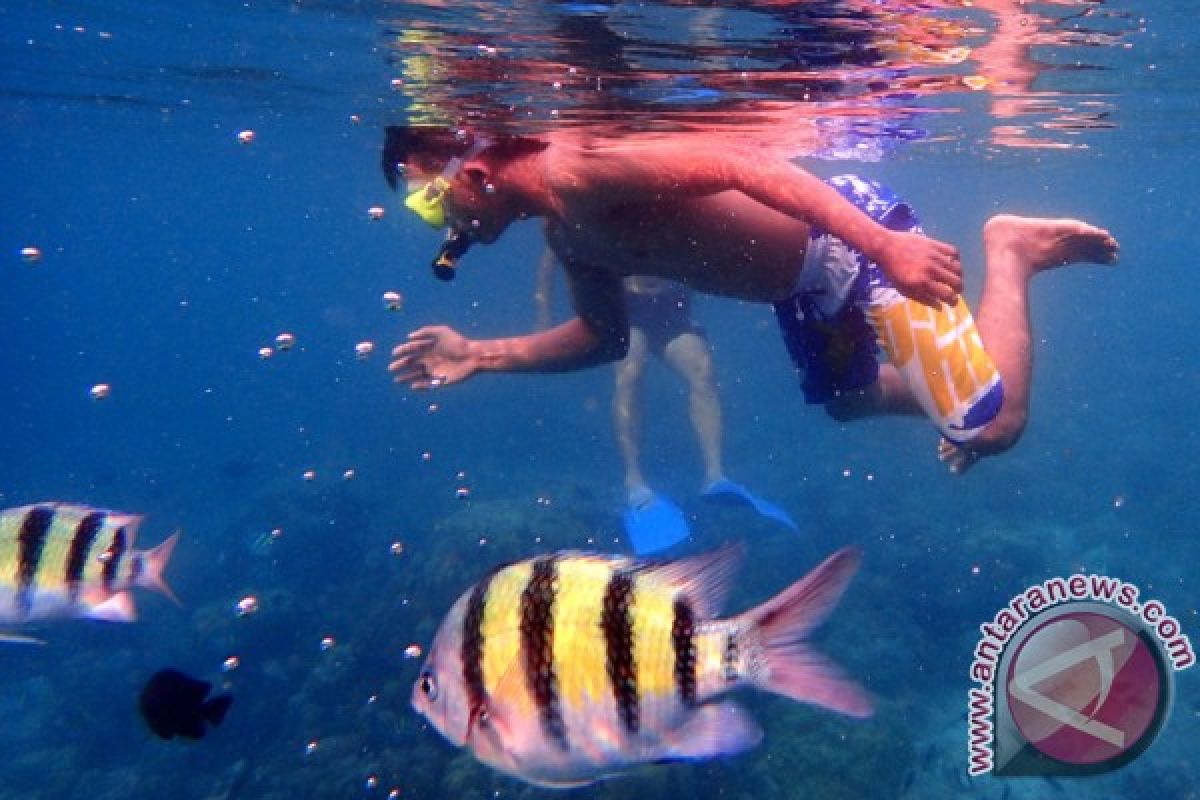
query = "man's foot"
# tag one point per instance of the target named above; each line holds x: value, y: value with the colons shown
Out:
x: 1045, y: 243
x: 639, y: 496
x: 957, y: 458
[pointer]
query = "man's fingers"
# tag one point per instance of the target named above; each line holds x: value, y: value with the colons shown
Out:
x: 409, y: 363
x: 418, y: 340
x: 951, y: 279
x: 945, y: 295
x: 946, y: 269
x: 947, y: 249
x: 401, y: 362
x: 422, y: 381
x: 428, y: 333
x: 927, y: 300
x: 934, y: 296
x: 412, y: 348
x: 416, y: 383
x: 419, y: 378
x: 401, y: 375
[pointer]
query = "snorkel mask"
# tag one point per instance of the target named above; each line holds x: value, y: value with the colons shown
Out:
x: 428, y: 202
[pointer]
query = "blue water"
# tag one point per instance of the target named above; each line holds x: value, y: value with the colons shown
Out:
x: 172, y: 253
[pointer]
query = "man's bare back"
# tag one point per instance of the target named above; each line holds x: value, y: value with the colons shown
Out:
x: 724, y: 244
x: 614, y: 214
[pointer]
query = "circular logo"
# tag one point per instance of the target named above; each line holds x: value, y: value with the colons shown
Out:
x: 1087, y: 688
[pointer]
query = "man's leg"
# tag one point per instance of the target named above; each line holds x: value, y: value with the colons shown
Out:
x: 627, y: 412
x: 689, y: 355
x: 1016, y: 249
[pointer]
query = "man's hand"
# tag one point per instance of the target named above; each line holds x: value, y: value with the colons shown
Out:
x: 433, y: 356
x: 922, y: 268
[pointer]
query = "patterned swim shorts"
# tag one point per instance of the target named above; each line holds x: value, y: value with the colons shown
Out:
x: 845, y: 309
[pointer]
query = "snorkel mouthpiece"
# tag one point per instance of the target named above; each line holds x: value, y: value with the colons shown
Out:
x: 445, y: 263
x: 427, y: 202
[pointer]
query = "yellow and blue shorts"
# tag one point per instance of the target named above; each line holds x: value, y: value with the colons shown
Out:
x: 845, y: 310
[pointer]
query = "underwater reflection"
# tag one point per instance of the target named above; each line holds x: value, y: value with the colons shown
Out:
x: 863, y: 73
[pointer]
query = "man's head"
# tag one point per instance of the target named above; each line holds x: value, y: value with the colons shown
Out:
x: 451, y: 173
x: 431, y: 159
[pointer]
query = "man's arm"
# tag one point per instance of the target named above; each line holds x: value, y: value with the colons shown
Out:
x: 599, y: 334
x: 437, y: 355
x: 921, y: 267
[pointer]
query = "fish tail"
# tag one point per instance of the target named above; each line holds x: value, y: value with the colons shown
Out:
x: 782, y: 662
x: 154, y: 563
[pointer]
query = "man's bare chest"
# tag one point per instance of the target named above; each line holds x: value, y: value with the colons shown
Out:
x: 626, y: 237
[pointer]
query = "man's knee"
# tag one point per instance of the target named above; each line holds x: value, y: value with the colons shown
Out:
x: 698, y: 372
x: 628, y: 377
x: 1001, y: 433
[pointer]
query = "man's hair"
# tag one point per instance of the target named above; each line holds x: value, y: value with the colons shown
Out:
x: 428, y: 148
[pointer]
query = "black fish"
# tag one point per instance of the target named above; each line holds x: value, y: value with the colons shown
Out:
x: 174, y: 704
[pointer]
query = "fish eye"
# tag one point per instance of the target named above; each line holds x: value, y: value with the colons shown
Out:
x: 428, y: 685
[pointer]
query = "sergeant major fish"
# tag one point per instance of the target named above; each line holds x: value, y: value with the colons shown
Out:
x: 66, y: 560
x: 572, y: 667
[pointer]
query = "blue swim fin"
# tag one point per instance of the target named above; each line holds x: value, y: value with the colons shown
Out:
x: 653, y: 523
x: 724, y: 490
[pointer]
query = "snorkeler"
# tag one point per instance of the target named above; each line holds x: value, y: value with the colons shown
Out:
x: 661, y: 324
x: 844, y: 262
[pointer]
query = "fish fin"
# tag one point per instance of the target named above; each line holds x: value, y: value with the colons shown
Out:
x: 704, y: 579
x: 93, y: 595
x: 216, y: 708
x: 713, y: 729
x: 501, y: 721
x: 16, y: 638
x: 130, y: 522
x: 154, y: 562
x: 559, y: 784
x: 784, y: 663
x: 518, y: 701
x: 118, y: 608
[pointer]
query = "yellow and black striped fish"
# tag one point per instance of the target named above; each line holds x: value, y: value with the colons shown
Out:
x: 571, y: 667
x: 66, y: 560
